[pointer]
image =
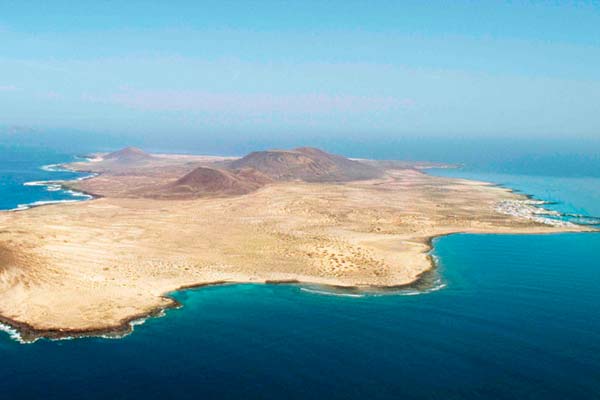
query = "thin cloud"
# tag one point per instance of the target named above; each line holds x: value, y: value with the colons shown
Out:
x: 8, y: 88
x: 206, y: 102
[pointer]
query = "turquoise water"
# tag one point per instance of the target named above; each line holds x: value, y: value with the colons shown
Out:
x: 573, y: 196
x: 518, y: 318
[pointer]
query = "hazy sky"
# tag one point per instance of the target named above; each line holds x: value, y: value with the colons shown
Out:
x: 339, y: 68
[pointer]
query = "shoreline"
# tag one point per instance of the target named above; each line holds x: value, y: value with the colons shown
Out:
x: 58, y: 186
x: 25, y: 333
x: 537, y: 203
x: 28, y: 333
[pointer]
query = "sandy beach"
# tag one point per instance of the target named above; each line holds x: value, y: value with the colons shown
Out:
x: 90, y: 268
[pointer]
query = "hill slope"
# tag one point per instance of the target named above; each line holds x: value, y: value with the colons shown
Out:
x: 307, y: 164
x: 204, y: 181
x: 128, y: 155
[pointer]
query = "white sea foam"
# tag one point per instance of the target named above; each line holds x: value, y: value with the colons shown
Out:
x: 438, y: 284
x: 56, y: 186
x: 20, y: 207
x: 79, y: 194
x: 13, y: 333
x: 53, y: 168
x: 327, y: 293
x: 132, y: 325
x: 51, y: 186
x: 37, y: 183
x: 23, y: 207
x: 47, y: 202
x: 83, y: 178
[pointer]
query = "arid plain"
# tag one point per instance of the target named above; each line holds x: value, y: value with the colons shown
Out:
x: 160, y: 223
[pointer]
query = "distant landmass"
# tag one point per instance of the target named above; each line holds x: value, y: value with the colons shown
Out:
x: 168, y: 176
x: 128, y: 155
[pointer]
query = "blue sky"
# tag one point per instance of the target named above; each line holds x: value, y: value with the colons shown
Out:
x: 340, y: 69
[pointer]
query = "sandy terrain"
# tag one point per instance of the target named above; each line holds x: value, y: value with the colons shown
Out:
x: 92, y: 267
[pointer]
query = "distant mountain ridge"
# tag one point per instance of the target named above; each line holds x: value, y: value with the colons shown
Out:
x: 128, y: 155
x: 307, y: 164
x: 184, y: 179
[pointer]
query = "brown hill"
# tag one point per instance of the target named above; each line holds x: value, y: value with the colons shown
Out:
x: 204, y: 181
x: 252, y: 176
x: 306, y: 163
x: 128, y: 155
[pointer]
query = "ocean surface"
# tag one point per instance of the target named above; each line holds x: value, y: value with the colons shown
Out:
x: 508, y: 316
x: 28, y: 175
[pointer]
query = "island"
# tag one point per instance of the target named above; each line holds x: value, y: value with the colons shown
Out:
x: 159, y: 223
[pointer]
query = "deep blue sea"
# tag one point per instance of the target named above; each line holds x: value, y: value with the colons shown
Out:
x: 26, y: 176
x: 518, y: 318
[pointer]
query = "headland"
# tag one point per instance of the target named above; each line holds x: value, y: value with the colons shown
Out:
x: 159, y: 223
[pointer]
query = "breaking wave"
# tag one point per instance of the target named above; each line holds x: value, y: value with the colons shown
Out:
x: 56, y: 186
